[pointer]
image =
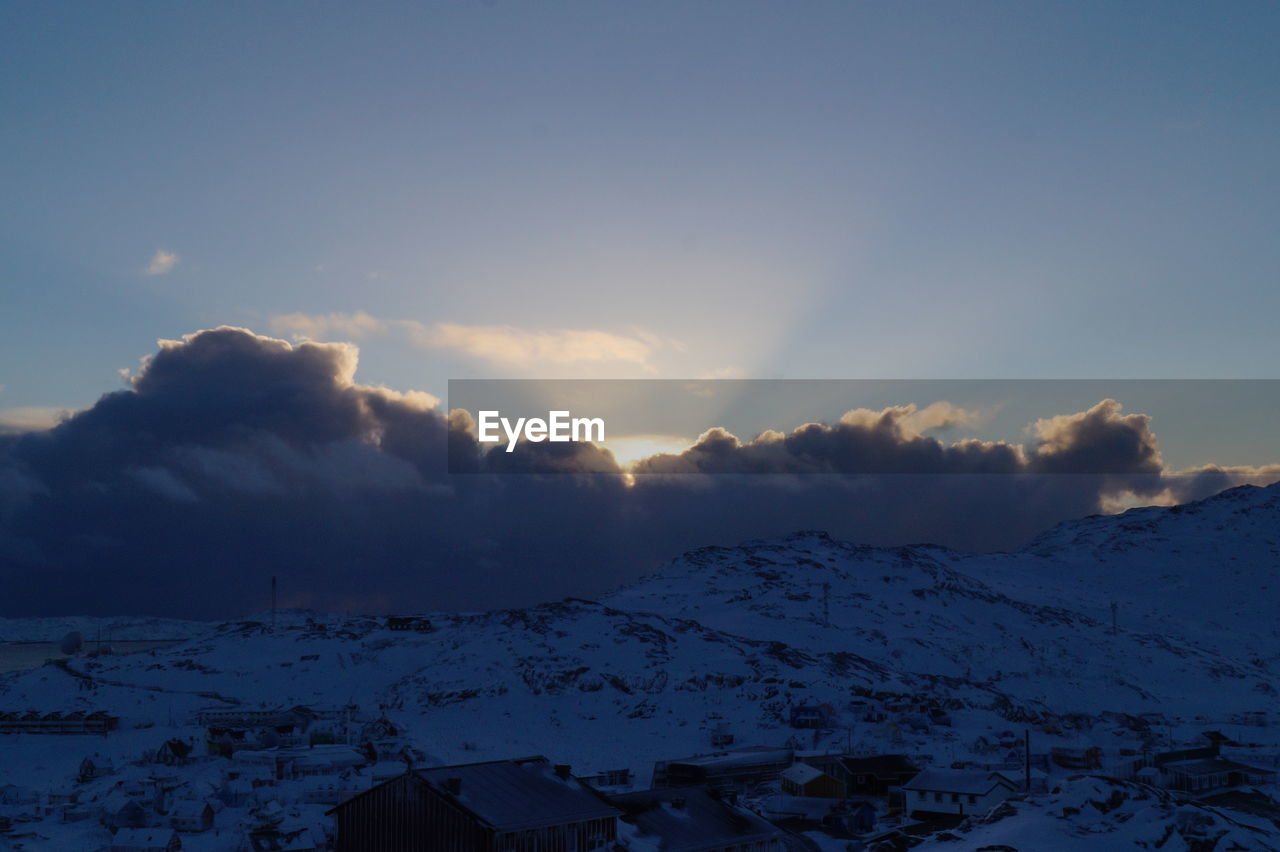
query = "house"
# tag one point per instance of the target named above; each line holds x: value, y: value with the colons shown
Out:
x: 381, y: 728
x: 119, y: 811
x: 281, y: 839
x: 610, y: 778
x: 174, y: 752
x: 62, y: 797
x: 75, y: 722
x: 12, y: 794
x: 409, y: 622
x: 145, y: 840
x: 238, y: 792
x: 801, y: 779
x: 94, y: 767
x: 813, y: 716
x: 325, y: 760
x: 191, y: 817
x: 332, y: 791
x: 740, y: 768
x: 1216, y: 739
x: 1077, y: 757
x: 957, y: 791
x: 1207, y: 775
x: 857, y: 817
x: 877, y: 775
x: 691, y: 819
x: 510, y: 805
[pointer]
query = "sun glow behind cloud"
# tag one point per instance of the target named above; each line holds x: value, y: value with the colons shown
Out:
x: 629, y: 449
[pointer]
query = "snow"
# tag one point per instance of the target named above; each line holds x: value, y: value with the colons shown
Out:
x: 729, y: 640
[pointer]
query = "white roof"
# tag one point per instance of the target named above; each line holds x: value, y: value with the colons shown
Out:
x: 801, y: 773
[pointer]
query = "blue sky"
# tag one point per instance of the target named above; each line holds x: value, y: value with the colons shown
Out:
x: 629, y: 190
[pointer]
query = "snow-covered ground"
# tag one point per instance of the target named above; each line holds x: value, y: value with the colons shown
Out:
x: 730, y: 639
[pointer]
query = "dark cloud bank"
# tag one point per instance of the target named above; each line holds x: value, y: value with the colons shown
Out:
x: 235, y: 457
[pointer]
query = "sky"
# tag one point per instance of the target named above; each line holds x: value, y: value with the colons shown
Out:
x: 613, y: 190
x: 845, y: 191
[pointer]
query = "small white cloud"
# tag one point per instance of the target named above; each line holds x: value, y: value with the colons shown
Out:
x: 499, y: 344
x: 504, y: 344
x: 162, y: 263
x: 321, y: 326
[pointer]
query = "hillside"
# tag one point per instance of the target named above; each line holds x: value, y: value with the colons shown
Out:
x: 732, y: 638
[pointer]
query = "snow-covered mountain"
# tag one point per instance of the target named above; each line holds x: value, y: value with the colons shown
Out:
x: 730, y: 638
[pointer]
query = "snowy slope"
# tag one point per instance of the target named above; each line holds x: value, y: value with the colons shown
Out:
x: 1209, y: 570
x: 732, y: 638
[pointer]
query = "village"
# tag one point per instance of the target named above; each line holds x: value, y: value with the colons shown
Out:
x: 798, y: 694
x: 348, y: 779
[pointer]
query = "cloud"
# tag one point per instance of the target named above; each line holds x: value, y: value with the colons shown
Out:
x: 30, y: 418
x: 861, y: 442
x: 1100, y: 440
x: 162, y: 263
x: 505, y: 345
x: 320, y: 326
x: 508, y: 345
x: 231, y: 457
x: 943, y: 415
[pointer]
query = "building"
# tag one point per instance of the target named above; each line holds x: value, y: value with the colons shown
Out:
x: 145, y: 840
x: 1081, y: 757
x: 741, y: 768
x: 174, y: 752
x: 324, y: 760
x: 509, y: 805
x: 77, y: 722
x: 1208, y: 775
x: 94, y: 767
x: 876, y: 775
x: 331, y: 791
x: 261, y: 717
x: 409, y: 622
x: 122, y: 811
x: 191, y: 817
x: 281, y: 839
x: 813, y: 716
x: 610, y: 778
x: 957, y: 791
x: 1216, y: 739
x: 801, y: 779
x: 692, y: 819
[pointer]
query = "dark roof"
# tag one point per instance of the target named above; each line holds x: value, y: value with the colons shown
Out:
x: 880, y: 765
x: 179, y: 748
x: 742, y: 757
x: 1218, y: 737
x: 1213, y: 767
x: 511, y: 795
x: 977, y: 782
x: 703, y: 822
